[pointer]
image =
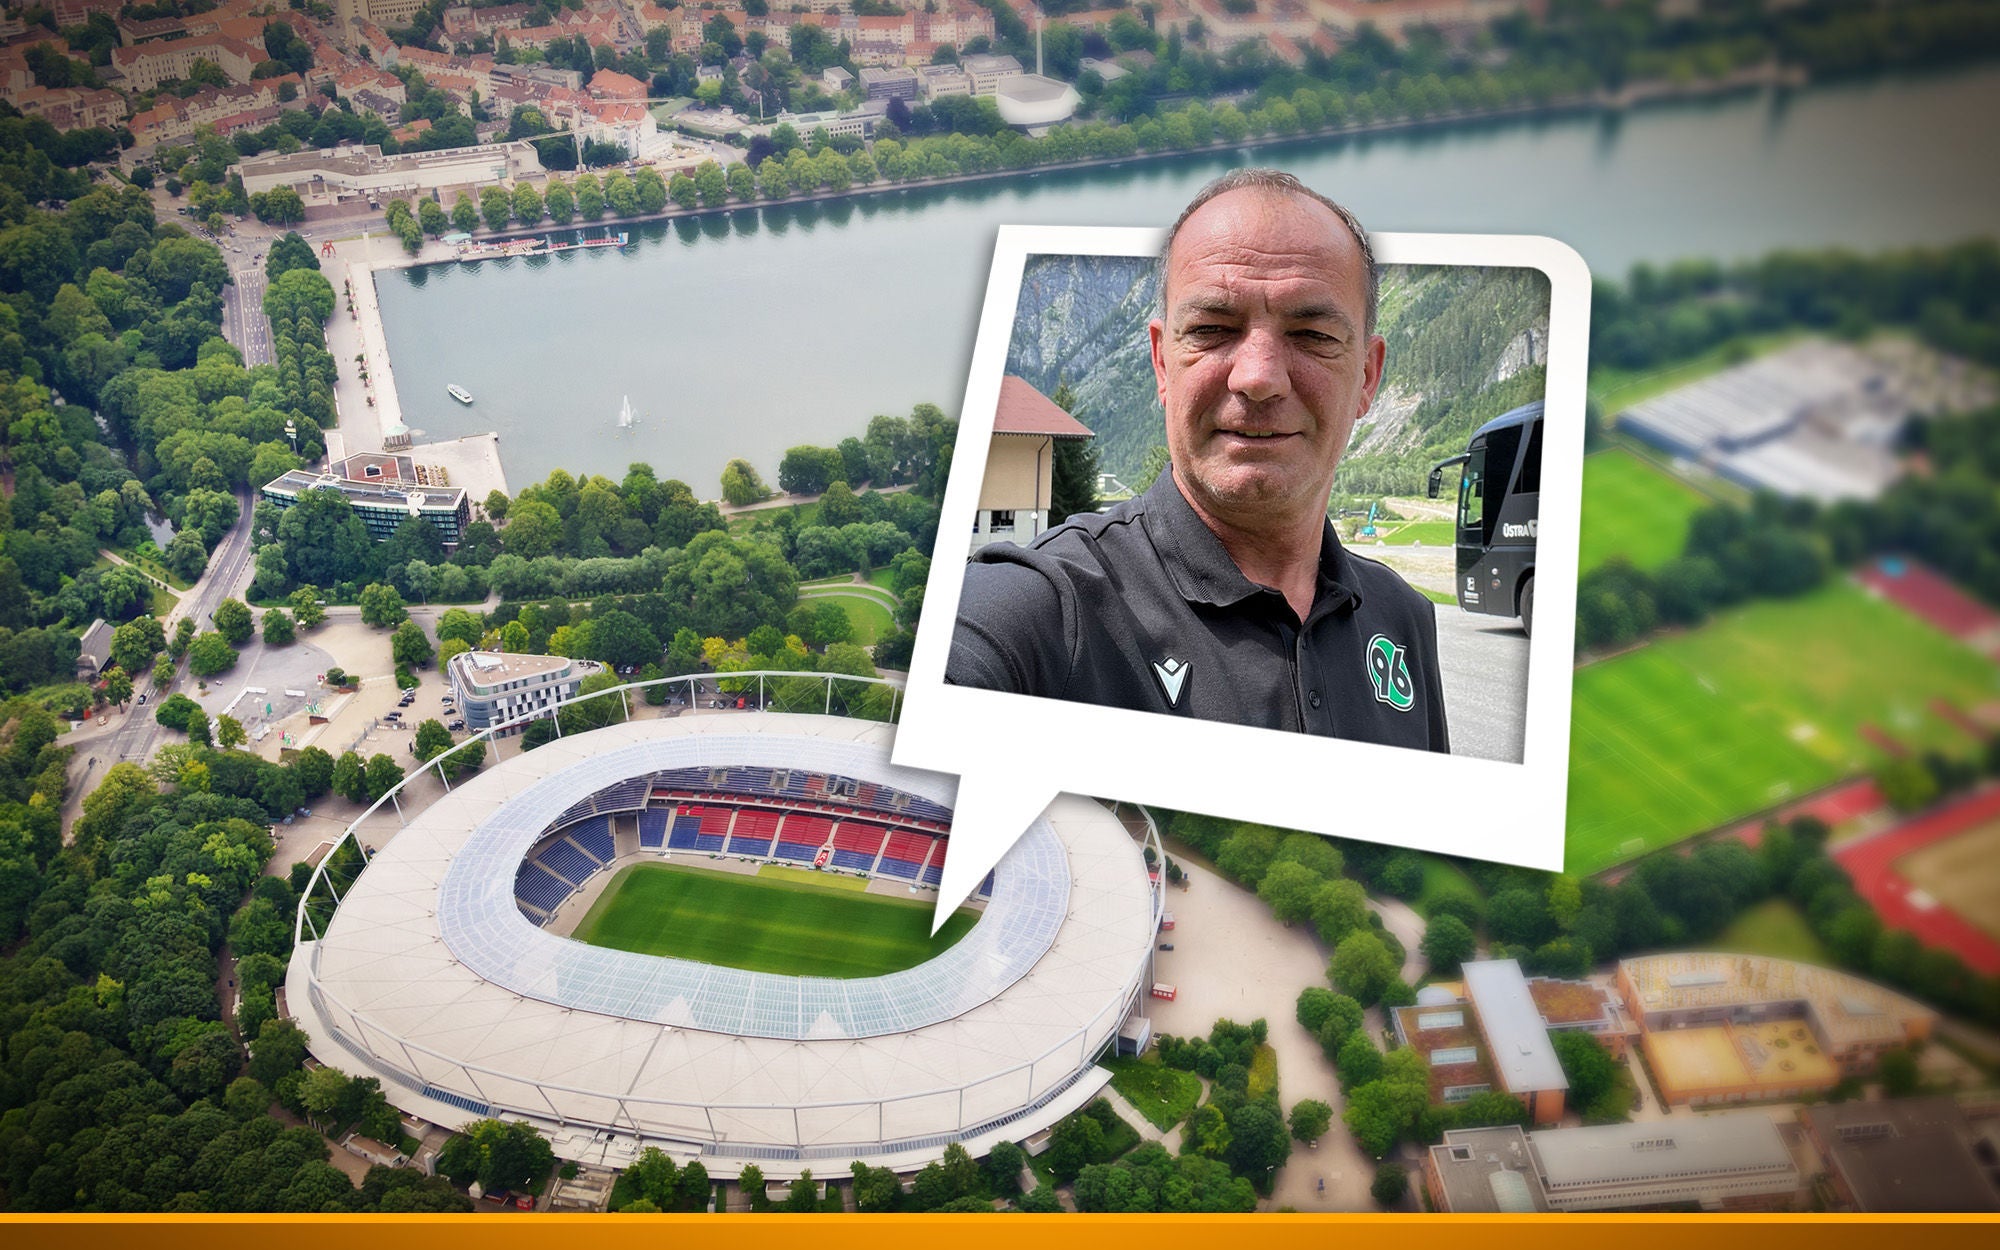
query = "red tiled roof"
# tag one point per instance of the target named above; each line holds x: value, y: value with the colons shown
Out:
x: 1025, y: 410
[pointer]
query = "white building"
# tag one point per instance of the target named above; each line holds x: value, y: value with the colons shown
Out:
x: 494, y: 687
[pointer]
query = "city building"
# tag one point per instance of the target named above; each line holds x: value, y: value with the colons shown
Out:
x: 358, y: 172
x: 1035, y: 103
x: 1721, y: 1028
x: 897, y: 83
x: 494, y: 687
x: 146, y: 66
x: 987, y: 71
x: 349, y: 15
x: 836, y: 79
x: 1912, y: 1154
x: 935, y: 81
x: 384, y: 490
x: 1493, y: 1037
x: 93, y: 654
x: 1020, y: 465
x: 1732, y: 1161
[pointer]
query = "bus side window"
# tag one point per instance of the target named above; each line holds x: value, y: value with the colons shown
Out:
x: 1531, y: 464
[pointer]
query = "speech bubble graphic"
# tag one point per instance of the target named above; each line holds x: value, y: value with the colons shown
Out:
x: 1014, y: 753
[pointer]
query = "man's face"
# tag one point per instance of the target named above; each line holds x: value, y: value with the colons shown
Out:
x: 1263, y: 360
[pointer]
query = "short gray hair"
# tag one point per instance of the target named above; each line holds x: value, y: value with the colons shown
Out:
x: 1272, y: 182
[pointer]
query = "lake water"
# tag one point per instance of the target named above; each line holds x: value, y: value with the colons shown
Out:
x: 747, y: 333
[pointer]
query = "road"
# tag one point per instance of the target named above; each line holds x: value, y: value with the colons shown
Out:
x: 1485, y: 663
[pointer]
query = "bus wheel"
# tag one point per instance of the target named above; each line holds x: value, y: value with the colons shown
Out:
x: 1528, y: 607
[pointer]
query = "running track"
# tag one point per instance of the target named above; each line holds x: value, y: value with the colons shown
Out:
x: 1871, y: 862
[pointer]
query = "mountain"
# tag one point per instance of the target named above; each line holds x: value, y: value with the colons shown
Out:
x: 1464, y: 345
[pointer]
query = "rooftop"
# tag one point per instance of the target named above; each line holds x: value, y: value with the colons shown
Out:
x: 1025, y: 410
x: 1847, y: 1009
x: 1488, y: 1170
x: 488, y: 667
x: 1916, y: 1154
x: 1522, y: 1053
x: 1698, y: 1145
x: 371, y: 494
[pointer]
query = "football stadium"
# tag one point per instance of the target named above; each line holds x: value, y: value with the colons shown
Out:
x: 759, y: 984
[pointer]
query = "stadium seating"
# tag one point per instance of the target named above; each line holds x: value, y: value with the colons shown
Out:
x: 714, y: 827
x: 856, y: 845
x: 934, y: 875
x: 905, y: 853
x: 567, y: 862
x: 985, y: 889
x: 594, y: 836
x: 686, y: 826
x: 753, y: 832
x: 653, y: 827
x: 539, y: 889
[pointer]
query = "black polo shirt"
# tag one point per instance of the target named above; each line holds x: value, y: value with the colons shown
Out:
x: 1141, y: 607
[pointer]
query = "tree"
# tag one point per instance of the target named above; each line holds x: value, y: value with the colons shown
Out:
x: 432, y: 740
x: 1073, y: 487
x: 210, y: 654
x: 233, y: 621
x: 1310, y: 1119
x: 741, y: 484
x: 350, y: 777
x: 1362, y: 967
x: 117, y: 686
x: 136, y: 642
x: 381, y: 605
x: 499, y: 1154
x: 1391, y: 1184
x: 383, y: 775
x: 1290, y: 889
x: 1339, y: 908
x: 278, y: 628
x: 1591, y: 1070
x: 409, y: 644
x: 621, y: 639
x: 1447, y: 942
x: 1259, y: 1142
x: 306, y: 606
x: 229, y: 732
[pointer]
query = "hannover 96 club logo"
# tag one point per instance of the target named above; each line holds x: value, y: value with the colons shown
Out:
x: 1390, y: 674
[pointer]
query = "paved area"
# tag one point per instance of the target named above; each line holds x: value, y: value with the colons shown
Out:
x: 1485, y: 663
x: 1232, y: 959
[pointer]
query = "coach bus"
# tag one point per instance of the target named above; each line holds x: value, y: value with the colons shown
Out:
x: 1499, y: 497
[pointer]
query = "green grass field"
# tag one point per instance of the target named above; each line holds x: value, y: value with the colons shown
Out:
x: 1763, y: 703
x: 1633, y: 509
x: 1410, y: 533
x: 1443, y: 880
x: 1162, y: 1094
x: 866, y: 613
x: 772, y: 922
x: 1774, y: 927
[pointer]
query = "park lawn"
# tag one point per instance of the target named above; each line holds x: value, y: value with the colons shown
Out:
x: 1632, y: 509
x: 1429, y: 533
x: 154, y: 568
x: 1774, y: 927
x: 871, y: 619
x: 1616, y: 389
x: 1444, y: 879
x: 1162, y: 1094
x: 1764, y: 703
x: 765, y: 923
x: 160, y: 602
x: 1264, y: 1073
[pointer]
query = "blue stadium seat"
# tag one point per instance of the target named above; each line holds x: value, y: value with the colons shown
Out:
x: 594, y: 836
x: 898, y: 868
x: 566, y: 861
x: 797, y: 850
x: 653, y: 828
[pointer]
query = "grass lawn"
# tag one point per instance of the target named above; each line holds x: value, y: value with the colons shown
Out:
x: 1443, y: 880
x: 161, y: 601
x: 870, y: 618
x: 765, y: 923
x: 1774, y: 927
x: 1162, y: 1094
x: 154, y: 568
x: 1436, y: 596
x: 1633, y: 509
x: 883, y: 578
x: 1410, y: 533
x: 1264, y: 1072
x: 1763, y: 703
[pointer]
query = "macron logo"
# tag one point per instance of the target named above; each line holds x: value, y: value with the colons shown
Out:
x: 1173, y: 677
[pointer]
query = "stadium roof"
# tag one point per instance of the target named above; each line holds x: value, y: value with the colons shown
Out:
x: 429, y: 977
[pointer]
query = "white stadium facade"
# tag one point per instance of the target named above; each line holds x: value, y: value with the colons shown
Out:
x: 437, y: 977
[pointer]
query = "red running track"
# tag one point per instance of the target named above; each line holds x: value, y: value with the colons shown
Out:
x: 1834, y: 808
x: 1924, y: 593
x: 1871, y: 863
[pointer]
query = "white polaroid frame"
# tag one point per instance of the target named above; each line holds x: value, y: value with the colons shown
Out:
x: 1349, y: 789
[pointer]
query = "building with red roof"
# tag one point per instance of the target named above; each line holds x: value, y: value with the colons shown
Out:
x: 1020, y: 464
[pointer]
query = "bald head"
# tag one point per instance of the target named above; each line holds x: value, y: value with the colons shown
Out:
x: 1276, y: 183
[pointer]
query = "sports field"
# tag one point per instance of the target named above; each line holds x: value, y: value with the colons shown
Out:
x: 1632, y: 509
x: 1963, y: 873
x: 1762, y: 704
x: 773, y: 922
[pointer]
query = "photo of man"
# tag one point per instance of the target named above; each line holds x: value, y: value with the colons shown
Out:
x: 1223, y: 592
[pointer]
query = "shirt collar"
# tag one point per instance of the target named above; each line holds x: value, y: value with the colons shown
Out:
x: 1202, y: 569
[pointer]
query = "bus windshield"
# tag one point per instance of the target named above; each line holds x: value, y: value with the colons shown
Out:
x: 1472, y: 492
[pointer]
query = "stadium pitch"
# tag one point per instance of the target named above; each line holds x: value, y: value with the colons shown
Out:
x: 765, y: 923
x: 1763, y: 704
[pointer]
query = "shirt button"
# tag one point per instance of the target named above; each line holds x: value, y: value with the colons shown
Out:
x: 1312, y: 697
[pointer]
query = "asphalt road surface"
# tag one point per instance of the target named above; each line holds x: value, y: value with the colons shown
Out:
x: 1485, y: 663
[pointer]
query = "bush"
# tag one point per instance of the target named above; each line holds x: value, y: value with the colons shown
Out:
x: 1391, y: 1183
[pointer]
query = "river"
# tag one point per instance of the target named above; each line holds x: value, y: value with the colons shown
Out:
x: 742, y: 334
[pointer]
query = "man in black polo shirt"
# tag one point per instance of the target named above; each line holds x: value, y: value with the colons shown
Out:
x: 1222, y: 592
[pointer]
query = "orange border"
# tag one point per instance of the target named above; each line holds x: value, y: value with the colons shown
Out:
x: 508, y: 1231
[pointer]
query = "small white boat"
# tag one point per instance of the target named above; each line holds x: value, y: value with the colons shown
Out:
x: 459, y: 393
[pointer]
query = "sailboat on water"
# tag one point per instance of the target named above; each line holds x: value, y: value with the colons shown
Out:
x: 626, y: 417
